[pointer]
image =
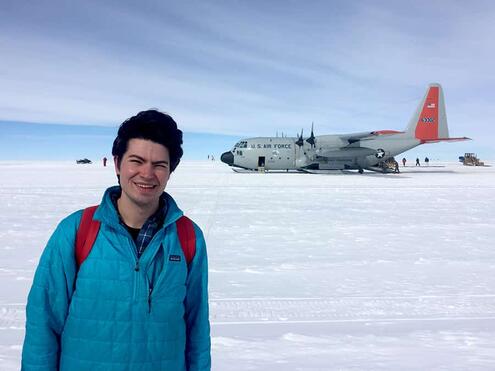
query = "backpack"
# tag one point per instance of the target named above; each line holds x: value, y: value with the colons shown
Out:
x: 88, y: 230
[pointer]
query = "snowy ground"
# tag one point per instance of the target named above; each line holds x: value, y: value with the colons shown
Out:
x: 307, y: 272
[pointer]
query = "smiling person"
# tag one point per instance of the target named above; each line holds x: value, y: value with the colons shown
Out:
x: 123, y: 286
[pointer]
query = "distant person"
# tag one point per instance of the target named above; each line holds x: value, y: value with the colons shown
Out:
x: 417, y: 162
x: 427, y: 161
x: 404, y: 162
x: 139, y: 300
x: 104, y: 161
x: 396, y: 167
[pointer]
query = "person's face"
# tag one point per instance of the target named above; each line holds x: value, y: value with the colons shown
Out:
x: 144, y: 171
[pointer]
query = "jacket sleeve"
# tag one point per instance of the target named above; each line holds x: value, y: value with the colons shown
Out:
x: 49, y: 299
x: 196, y: 310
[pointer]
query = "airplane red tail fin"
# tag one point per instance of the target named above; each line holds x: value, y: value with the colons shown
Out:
x: 429, y: 118
x: 429, y: 123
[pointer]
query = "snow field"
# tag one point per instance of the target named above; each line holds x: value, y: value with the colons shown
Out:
x: 307, y: 272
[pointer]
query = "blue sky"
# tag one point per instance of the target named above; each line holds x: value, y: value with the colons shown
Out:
x: 31, y: 141
x: 249, y: 68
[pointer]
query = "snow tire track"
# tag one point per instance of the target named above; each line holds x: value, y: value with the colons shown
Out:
x: 12, y: 316
x: 351, y: 309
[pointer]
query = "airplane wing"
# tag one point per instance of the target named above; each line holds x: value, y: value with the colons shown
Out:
x: 356, y: 137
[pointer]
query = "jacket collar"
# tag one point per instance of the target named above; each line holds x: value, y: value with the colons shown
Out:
x: 106, y: 212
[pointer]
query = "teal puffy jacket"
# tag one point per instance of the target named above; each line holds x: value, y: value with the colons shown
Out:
x: 118, y: 315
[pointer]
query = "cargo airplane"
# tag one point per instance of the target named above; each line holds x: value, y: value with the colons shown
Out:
x: 359, y: 151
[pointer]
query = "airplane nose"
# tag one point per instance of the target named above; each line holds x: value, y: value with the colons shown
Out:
x: 228, y: 158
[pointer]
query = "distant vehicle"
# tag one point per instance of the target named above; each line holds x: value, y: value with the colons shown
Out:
x: 358, y: 151
x: 83, y: 161
x: 470, y: 159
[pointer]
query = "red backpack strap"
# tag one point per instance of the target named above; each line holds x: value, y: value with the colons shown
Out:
x: 86, y: 234
x: 187, y: 237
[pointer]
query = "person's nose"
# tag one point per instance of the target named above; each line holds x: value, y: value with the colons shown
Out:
x: 147, y: 171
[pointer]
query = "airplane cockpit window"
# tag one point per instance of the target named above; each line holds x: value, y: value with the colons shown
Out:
x: 241, y: 144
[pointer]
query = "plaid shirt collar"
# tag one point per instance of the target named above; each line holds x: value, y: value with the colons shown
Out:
x: 150, y: 227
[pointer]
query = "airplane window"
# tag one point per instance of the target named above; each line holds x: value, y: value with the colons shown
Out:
x: 241, y: 144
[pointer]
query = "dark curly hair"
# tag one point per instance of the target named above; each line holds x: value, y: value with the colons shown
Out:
x: 150, y: 125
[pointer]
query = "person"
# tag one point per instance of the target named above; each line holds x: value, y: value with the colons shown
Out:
x: 404, y: 161
x: 417, y: 161
x: 105, y: 161
x: 396, y: 167
x: 134, y: 303
x: 427, y: 161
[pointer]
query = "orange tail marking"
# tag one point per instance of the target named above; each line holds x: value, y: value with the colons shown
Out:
x: 427, y: 125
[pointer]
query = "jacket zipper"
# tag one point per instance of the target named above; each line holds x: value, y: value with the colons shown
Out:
x: 137, y: 269
x: 150, y: 286
x: 149, y: 299
x: 136, y: 279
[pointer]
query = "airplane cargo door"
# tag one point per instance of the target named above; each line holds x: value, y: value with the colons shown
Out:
x: 261, y: 161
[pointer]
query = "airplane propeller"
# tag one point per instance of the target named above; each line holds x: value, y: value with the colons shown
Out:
x: 311, y: 139
x: 300, y: 140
